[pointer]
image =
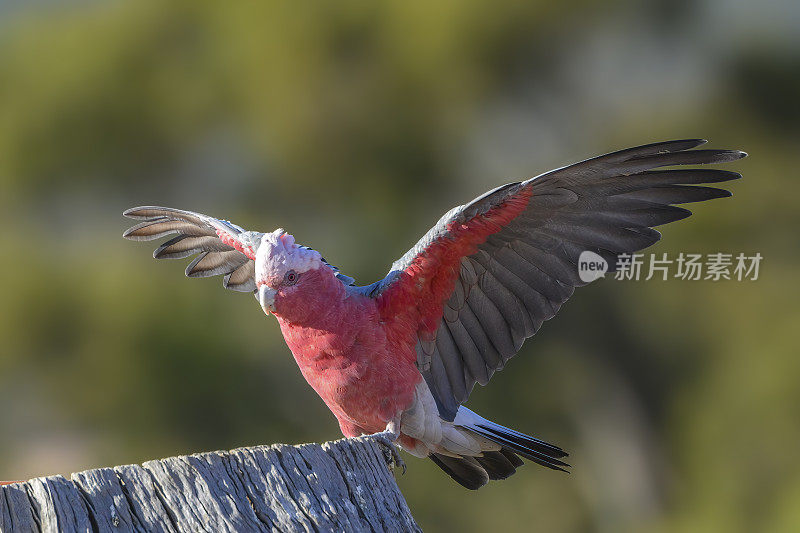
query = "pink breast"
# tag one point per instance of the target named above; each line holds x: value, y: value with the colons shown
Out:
x: 364, y: 377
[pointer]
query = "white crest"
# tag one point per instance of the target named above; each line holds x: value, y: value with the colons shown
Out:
x: 278, y: 253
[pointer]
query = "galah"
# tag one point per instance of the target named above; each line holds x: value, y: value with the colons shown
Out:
x: 397, y: 359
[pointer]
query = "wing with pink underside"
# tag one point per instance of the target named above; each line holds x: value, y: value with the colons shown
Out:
x: 222, y: 248
x: 490, y: 272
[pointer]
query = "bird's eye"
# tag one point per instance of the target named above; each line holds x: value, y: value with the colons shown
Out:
x: 291, y: 277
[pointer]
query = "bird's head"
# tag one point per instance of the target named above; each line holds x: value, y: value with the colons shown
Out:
x: 289, y: 276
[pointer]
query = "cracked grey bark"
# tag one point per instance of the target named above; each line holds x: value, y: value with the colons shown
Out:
x: 343, y: 485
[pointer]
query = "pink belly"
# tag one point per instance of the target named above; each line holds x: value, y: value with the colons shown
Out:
x: 363, y: 371
x: 364, y: 395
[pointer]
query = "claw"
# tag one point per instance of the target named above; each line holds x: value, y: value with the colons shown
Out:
x: 386, y: 440
x: 391, y: 453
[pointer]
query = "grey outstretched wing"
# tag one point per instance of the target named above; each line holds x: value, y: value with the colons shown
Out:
x: 222, y: 248
x: 487, y: 275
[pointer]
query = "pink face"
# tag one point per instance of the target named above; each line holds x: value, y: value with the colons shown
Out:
x: 278, y: 290
x: 299, y: 297
x: 283, y: 270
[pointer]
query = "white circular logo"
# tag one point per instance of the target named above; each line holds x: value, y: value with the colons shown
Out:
x: 591, y: 266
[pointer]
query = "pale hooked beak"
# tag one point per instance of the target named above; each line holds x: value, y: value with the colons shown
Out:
x: 266, y: 297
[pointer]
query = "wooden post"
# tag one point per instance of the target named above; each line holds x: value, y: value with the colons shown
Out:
x: 343, y: 485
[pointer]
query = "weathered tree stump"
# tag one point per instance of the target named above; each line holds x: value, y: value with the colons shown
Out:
x: 343, y: 485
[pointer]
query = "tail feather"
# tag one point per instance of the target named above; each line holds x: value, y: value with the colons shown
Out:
x: 512, y: 457
x: 474, y: 472
x: 497, y: 464
x: 521, y: 439
x: 530, y: 448
x: 465, y: 470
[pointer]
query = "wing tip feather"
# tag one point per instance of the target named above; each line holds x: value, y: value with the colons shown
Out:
x: 190, y: 273
x: 694, y: 142
x: 731, y: 155
x: 130, y: 233
x: 135, y: 212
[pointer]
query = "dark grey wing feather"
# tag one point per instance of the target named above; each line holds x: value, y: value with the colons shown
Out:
x: 197, y: 235
x: 521, y: 275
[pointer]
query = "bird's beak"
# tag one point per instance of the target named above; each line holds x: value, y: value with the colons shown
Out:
x: 266, y: 297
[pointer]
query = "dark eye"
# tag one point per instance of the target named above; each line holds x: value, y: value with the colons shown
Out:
x: 291, y: 277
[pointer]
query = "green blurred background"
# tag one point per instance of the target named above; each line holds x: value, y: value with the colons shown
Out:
x: 356, y: 125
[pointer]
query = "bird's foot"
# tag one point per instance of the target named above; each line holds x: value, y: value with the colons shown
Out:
x: 386, y: 439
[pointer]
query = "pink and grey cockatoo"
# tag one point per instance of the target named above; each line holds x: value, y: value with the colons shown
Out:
x: 398, y: 358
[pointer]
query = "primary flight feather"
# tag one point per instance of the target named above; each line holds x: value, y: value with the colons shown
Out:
x: 398, y: 358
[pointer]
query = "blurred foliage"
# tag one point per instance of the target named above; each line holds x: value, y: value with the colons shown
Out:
x: 355, y: 125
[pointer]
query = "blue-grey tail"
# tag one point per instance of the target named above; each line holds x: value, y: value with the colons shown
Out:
x: 475, y: 472
x: 531, y: 448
